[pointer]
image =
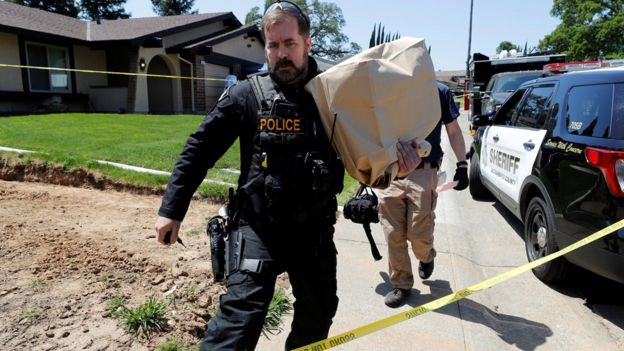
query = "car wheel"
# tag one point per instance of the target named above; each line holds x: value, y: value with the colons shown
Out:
x: 539, y: 238
x: 476, y: 187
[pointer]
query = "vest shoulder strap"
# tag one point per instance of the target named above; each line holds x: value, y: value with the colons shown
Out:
x: 263, y: 89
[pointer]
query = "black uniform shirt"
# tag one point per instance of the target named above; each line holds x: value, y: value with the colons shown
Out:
x: 234, y: 116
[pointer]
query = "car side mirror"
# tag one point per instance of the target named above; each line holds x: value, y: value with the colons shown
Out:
x: 481, y: 120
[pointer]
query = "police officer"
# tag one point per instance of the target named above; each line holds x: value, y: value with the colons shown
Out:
x: 406, y: 207
x: 285, y: 206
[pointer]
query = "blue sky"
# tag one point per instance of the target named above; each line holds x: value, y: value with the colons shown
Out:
x: 443, y: 23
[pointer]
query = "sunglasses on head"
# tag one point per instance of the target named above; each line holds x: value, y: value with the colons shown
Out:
x: 289, y: 7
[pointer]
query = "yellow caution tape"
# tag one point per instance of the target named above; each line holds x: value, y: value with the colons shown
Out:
x: 353, y: 334
x: 108, y: 72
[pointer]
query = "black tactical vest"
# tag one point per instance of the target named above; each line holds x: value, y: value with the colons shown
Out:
x: 295, y: 174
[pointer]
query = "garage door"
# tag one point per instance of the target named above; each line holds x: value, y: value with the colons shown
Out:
x: 214, y: 88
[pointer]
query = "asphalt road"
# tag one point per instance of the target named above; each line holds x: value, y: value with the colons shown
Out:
x: 475, y: 240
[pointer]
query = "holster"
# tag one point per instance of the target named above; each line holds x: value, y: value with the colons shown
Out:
x: 246, y: 252
x: 233, y: 252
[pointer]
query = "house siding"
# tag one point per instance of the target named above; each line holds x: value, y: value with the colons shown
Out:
x: 9, y: 54
x: 186, y: 36
x: 214, y: 87
x: 186, y: 84
x: 87, y: 59
x: 237, y: 47
x: 105, y: 99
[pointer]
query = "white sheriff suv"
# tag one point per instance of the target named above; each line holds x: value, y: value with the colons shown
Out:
x: 554, y: 156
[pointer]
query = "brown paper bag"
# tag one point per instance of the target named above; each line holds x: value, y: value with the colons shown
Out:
x: 375, y: 98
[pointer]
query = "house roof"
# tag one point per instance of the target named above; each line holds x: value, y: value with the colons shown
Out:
x: 35, y: 21
x: 200, y: 45
x: 26, y: 18
x: 323, y: 63
x: 133, y: 28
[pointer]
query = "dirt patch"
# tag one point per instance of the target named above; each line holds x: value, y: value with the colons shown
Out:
x: 44, y: 173
x: 66, y: 252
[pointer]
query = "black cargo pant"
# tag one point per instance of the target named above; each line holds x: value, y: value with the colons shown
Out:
x: 309, y: 257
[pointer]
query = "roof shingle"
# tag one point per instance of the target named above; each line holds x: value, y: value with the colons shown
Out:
x: 35, y: 20
x: 22, y: 17
x: 132, y: 28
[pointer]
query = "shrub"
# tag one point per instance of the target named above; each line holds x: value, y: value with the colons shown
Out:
x: 144, y: 319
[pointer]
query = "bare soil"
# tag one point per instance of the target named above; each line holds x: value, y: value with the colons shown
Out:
x: 66, y: 252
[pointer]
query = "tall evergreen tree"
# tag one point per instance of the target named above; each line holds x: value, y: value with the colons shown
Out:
x: 371, y: 42
x: 104, y: 9
x: 379, y: 37
x: 525, y: 52
x: 173, y: 7
x: 62, y: 7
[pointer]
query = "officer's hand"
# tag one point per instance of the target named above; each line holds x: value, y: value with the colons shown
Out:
x: 461, y: 175
x: 407, y: 156
x: 166, y: 225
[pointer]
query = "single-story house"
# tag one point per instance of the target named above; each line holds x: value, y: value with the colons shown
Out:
x: 209, y: 45
x: 451, y: 76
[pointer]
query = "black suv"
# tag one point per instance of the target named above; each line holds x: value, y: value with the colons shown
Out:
x: 501, y: 85
x: 554, y: 155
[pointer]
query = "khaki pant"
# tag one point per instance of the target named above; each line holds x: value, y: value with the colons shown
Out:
x: 406, y: 212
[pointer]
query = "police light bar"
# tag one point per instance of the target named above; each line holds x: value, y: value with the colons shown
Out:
x: 564, y: 67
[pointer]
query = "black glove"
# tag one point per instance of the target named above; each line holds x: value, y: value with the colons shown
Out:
x: 461, y: 175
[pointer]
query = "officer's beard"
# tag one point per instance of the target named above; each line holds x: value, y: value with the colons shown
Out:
x: 290, y: 76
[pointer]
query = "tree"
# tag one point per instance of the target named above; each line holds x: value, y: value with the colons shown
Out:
x: 62, y: 7
x: 525, y: 52
x: 254, y: 16
x: 104, y: 9
x: 507, y: 45
x: 587, y: 29
x: 326, y: 23
x: 326, y: 30
x: 173, y: 7
x: 379, y: 37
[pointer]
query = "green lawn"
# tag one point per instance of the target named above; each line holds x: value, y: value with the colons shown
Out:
x: 150, y: 141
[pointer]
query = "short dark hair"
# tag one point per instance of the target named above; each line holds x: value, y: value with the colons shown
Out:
x: 279, y: 10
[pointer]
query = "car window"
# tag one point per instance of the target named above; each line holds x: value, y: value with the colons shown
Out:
x: 534, y: 109
x: 509, y: 83
x: 490, y: 84
x: 509, y: 110
x: 617, y: 120
x: 588, y: 110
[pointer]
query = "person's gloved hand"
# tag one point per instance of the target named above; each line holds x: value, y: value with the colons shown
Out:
x: 461, y: 175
